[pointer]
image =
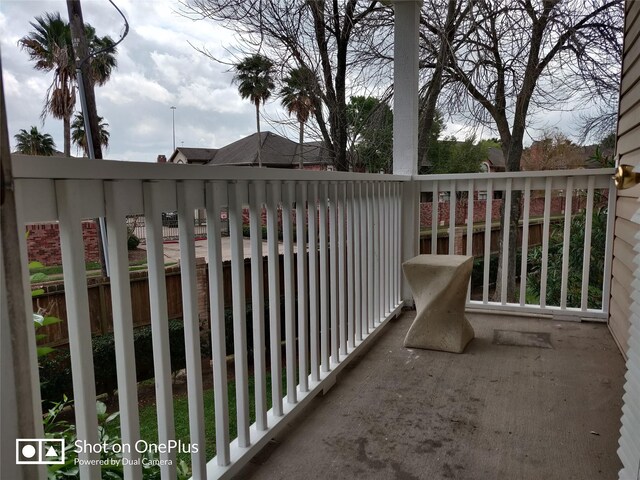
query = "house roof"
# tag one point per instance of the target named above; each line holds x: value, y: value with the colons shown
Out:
x: 496, y: 157
x: 276, y: 151
x: 314, y: 153
x: 195, y: 155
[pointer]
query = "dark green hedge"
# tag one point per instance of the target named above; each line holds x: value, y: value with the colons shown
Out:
x: 55, y: 368
x: 132, y: 240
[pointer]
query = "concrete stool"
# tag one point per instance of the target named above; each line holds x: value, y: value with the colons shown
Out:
x: 439, y: 285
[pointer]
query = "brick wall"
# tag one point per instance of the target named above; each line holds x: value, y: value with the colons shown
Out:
x: 536, y: 209
x: 43, y: 243
x: 263, y: 215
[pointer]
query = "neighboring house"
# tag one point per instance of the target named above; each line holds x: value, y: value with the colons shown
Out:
x: 195, y: 156
x: 276, y: 152
x: 545, y: 155
x: 494, y: 162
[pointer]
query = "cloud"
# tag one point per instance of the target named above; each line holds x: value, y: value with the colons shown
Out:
x: 11, y: 85
x: 129, y: 88
x: 157, y: 68
x: 207, y: 98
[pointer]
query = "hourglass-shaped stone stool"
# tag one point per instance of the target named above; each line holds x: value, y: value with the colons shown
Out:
x: 439, y: 285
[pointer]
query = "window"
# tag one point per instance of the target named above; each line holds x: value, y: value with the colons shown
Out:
x: 426, y: 197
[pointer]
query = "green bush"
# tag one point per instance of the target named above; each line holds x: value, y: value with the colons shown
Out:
x: 575, y: 260
x: 109, y: 436
x: 56, y: 367
x: 55, y: 376
x: 132, y: 240
x: 477, y: 274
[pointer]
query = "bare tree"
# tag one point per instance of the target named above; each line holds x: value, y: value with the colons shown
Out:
x: 519, y: 57
x: 314, y: 35
x: 438, y: 36
x: 553, y: 151
x: 498, y: 62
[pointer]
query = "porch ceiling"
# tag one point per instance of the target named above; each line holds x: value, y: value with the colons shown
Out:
x: 497, y: 411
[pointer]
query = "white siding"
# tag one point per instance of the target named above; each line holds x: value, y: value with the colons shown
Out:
x: 624, y: 320
x: 628, y: 150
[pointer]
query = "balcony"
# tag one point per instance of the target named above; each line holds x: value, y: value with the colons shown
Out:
x: 506, y: 408
x: 496, y: 411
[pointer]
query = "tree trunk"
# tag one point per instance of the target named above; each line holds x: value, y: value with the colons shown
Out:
x: 340, y: 115
x: 512, y: 252
x: 435, y: 86
x: 89, y: 110
x: 259, y: 139
x: 301, y: 144
x: 67, y: 136
x: 512, y: 161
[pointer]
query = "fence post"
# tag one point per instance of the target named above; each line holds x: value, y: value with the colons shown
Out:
x: 104, y: 320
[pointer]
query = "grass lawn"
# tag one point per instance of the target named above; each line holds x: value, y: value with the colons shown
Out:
x: 149, y: 419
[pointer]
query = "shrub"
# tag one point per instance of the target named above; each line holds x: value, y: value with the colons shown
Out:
x: 56, y: 367
x: 246, y: 232
x: 109, y: 436
x: 576, y: 250
x: 132, y: 240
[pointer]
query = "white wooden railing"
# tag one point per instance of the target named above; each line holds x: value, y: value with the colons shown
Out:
x: 546, y: 194
x: 344, y: 275
x: 341, y: 276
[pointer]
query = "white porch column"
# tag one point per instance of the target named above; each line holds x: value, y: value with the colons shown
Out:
x: 405, y: 123
x: 20, y: 391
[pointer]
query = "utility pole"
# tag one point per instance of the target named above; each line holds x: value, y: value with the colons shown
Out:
x: 85, y: 85
x: 173, y: 124
x: 89, y: 111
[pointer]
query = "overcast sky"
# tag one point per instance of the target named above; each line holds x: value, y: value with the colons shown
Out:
x: 157, y: 68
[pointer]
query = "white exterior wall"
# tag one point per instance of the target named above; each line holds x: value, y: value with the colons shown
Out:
x: 624, y: 320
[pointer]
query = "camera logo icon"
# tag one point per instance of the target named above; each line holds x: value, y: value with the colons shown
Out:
x: 40, y: 451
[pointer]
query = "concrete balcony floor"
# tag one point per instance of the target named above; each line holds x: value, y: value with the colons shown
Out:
x: 495, y: 412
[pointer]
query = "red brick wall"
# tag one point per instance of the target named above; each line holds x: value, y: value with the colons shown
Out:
x: 536, y: 209
x: 263, y: 214
x: 43, y: 243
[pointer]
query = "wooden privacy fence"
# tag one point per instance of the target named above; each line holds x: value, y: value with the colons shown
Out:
x: 52, y: 301
x: 478, y: 239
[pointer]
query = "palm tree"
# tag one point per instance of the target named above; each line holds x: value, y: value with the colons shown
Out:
x: 49, y: 46
x: 298, y: 98
x: 79, y: 138
x: 34, y: 143
x: 254, y: 76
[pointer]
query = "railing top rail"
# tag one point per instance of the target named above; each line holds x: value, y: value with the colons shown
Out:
x: 33, y: 167
x: 581, y: 172
x: 26, y: 166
